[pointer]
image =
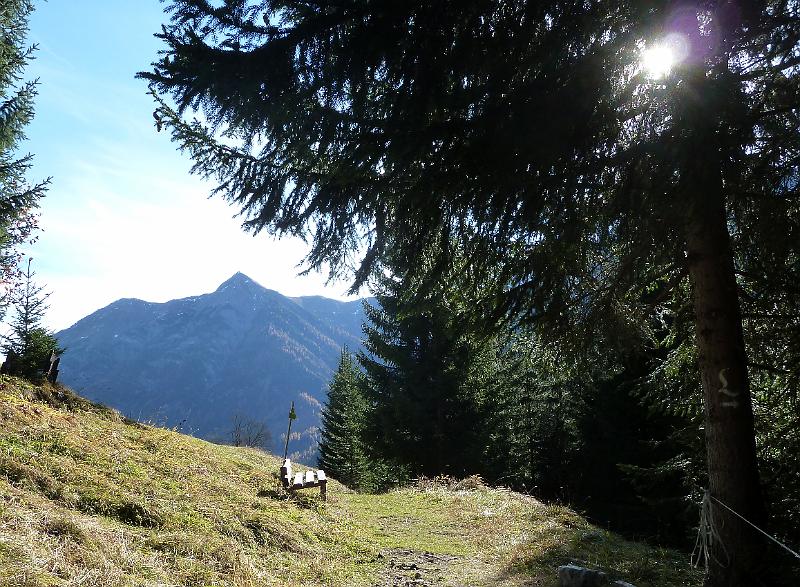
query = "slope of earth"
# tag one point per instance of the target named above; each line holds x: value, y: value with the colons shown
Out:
x: 198, y: 363
x: 89, y: 498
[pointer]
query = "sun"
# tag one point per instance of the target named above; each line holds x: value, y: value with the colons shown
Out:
x: 659, y: 60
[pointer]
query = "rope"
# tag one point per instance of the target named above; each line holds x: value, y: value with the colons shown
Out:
x: 741, y: 517
x: 702, y: 545
x: 707, y: 536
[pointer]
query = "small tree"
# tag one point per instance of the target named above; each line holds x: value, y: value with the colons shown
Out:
x: 248, y: 432
x: 341, y: 449
x: 30, y: 343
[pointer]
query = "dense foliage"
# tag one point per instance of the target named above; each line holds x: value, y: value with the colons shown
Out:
x: 442, y: 400
x: 18, y: 197
x: 342, y: 118
x: 426, y: 383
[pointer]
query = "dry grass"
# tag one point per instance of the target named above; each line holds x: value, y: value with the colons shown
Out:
x: 88, y: 498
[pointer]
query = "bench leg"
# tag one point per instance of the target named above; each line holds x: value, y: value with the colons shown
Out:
x: 323, y: 490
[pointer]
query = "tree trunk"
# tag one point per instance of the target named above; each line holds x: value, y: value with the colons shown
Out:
x: 730, y: 434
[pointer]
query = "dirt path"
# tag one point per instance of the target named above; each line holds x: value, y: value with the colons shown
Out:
x: 408, y: 568
x: 445, y: 538
x: 411, y: 568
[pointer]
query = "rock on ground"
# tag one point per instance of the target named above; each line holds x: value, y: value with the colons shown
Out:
x: 574, y: 576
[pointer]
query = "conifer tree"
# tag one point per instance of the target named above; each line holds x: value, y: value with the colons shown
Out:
x: 531, y: 428
x: 29, y: 342
x: 342, y: 453
x: 529, y: 131
x: 18, y: 197
x: 426, y: 376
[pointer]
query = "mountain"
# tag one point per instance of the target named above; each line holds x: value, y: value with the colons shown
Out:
x: 197, y: 363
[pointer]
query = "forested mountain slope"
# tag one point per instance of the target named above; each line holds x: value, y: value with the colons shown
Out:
x: 199, y: 362
x: 89, y: 498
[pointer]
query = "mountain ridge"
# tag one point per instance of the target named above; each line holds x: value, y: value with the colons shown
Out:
x: 200, y: 361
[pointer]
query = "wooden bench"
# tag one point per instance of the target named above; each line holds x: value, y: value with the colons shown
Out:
x: 304, y: 480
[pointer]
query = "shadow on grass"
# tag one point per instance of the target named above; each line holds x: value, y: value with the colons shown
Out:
x: 26, y: 477
x: 565, y: 539
x: 127, y: 512
x: 308, y: 499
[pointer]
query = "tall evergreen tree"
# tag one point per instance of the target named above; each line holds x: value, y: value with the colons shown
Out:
x: 529, y: 131
x: 531, y: 421
x: 18, y: 197
x: 342, y: 452
x: 426, y: 375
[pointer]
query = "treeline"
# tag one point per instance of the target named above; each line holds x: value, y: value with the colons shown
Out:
x: 614, y: 430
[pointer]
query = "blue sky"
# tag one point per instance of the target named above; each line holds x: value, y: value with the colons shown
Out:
x: 123, y: 217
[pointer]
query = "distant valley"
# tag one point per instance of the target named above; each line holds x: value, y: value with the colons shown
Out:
x: 200, y: 363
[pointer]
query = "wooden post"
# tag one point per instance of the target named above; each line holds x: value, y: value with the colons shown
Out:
x: 52, y: 372
x: 292, y: 416
x: 323, y: 484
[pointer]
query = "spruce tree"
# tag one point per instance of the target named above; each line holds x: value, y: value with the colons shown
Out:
x: 532, y: 434
x: 342, y: 453
x: 18, y: 197
x: 426, y: 375
x: 528, y: 131
x: 29, y: 342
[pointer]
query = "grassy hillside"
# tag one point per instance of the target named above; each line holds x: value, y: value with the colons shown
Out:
x: 87, y: 498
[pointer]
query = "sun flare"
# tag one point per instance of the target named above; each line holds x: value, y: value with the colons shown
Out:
x: 658, y: 61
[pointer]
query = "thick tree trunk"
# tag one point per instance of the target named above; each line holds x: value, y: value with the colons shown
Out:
x: 729, y: 429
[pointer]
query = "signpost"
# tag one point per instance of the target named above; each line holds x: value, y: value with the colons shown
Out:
x: 292, y: 416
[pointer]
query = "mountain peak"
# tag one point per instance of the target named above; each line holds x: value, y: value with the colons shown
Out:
x: 238, y: 280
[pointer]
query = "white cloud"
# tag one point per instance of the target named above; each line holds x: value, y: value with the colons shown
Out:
x: 123, y: 226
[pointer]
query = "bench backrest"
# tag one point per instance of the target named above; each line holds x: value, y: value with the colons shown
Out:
x: 291, y: 480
